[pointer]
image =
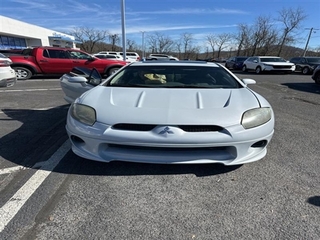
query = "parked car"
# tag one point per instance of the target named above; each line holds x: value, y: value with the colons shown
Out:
x: 305, y: 65
x: 155, y: 56
x: 261, y: 64
x: 132, y: 55
x: 235, y: 63
x: 167, y: 112
x: 129, y: 55
x: 114, y: 57
x: 7, y: 75
x: 108, y: 56
x: 56, y: 60
x: 316, y: 75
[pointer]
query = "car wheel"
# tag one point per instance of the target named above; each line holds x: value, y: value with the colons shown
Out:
x: 22, y: 73
x: 258, y: 70
x: 305, y: 70
x: 113, y: 71
x: 244, y: 68
x: 317, y: 78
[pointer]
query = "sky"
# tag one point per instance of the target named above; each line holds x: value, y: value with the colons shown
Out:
x: 172, y: 18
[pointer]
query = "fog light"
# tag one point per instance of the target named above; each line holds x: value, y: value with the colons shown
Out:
x: 260, y: 144
x: 76, y: 140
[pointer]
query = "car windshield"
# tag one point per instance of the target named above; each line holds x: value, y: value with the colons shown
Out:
x: 173, y: 77
x: 314, y: 60
x: 272, y: 59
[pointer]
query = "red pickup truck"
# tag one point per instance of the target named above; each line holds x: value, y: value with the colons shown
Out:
x: 57, y: 61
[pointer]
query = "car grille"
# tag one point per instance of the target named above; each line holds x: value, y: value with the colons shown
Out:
x: 281, y: 67
x: 149, y: 127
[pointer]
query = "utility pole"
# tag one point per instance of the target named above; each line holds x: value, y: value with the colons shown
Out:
x: 143, y: 50
x: 305, y: 49
x: 123, y: 24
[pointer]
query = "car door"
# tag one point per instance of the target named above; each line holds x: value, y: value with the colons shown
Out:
x: 55, y: 61
x: 250, y: 63
x: 80, y: 59
x: 77, y: 82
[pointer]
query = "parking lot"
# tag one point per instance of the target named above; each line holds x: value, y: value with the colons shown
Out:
x: 47, y: 192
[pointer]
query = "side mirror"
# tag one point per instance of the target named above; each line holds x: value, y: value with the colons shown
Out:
x: 247, y: 81
x: 77, y: 79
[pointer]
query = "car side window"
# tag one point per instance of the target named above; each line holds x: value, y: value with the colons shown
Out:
x: 78, y: 55
x: 53, y: 53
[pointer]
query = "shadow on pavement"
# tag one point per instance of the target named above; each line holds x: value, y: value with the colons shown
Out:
x: 304, y: 87
x: 315, y: 200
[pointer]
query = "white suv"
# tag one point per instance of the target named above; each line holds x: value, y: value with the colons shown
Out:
x: 261, y: 64
x: 132, y: 56
x: 7, y: 74
x: 155, y: 56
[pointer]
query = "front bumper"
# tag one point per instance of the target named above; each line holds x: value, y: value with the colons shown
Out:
x: 7, y: 78
x: 231, y: 147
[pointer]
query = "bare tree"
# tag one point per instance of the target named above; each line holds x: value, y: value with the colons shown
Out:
x: 114, y: 40
x: 187, y: 40
x: 160, y: 43
x: 221, y: 41
x: 262, y: 31
x: 211, y: 39
x: 291, y: 18
x: 242, y: 38
x: 131, y: 45
x: 88, y: 37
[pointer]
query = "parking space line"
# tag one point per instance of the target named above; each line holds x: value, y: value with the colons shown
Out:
x: 14, y: 204
x: 31, y: 90
x: 11, y: 170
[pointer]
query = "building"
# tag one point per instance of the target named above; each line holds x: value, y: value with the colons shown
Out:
x: 15, y: 34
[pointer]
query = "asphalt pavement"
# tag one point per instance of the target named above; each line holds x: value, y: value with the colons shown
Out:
x: 47, y: 192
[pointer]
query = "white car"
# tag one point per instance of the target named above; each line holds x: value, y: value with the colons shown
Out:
x: 130, y: 56
x: 167, y: 112
x: 113, y: 57
x: 7, y: 74
x: 156, y: 56
x: 261, y: 64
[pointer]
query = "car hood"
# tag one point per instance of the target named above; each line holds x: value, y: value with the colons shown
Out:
x: 169, y: 106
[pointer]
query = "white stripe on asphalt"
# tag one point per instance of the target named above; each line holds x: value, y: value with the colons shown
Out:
x: 12, y: 207
x: 11, y: 170
x: 31, y: 90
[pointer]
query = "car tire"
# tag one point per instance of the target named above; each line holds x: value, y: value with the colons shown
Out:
x: 22, y: 73
x: 258, y: 70
x: 244, y: 68
x: 317, y: 78
x: 305, y: 71
x: 112, y: 70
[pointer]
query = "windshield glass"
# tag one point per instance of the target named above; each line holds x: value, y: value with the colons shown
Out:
x: 241, y: 59
x: 273, y: 59
x: 314, y: 60
x: 173, y: 77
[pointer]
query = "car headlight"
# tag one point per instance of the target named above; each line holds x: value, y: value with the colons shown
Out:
x: 83, y: 113
x: 256, y: 117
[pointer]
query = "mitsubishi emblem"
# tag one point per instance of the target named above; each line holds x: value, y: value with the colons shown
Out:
x: 166, y: 130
